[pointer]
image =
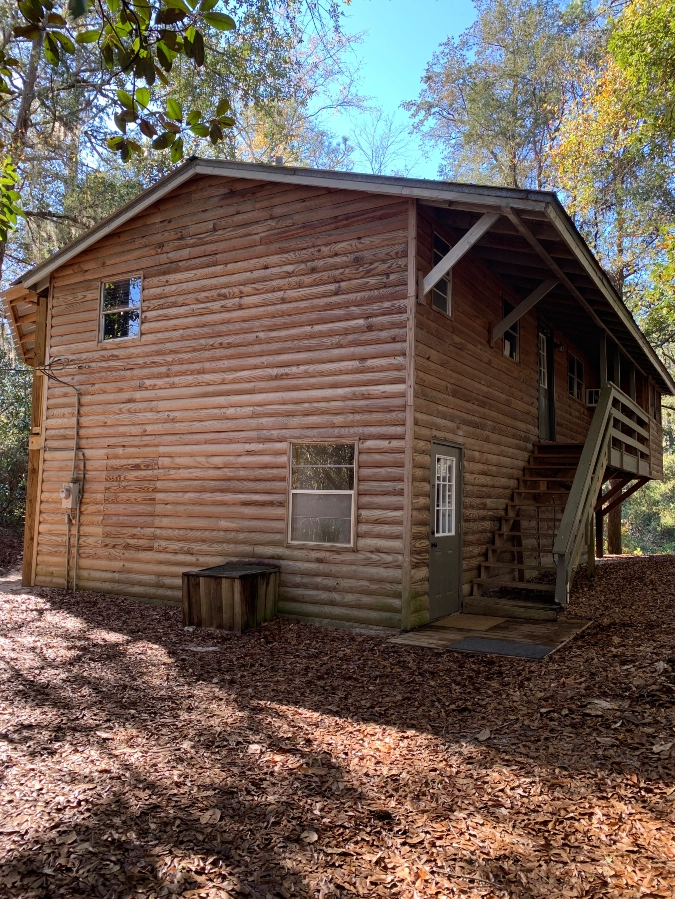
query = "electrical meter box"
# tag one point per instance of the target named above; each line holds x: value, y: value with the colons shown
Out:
x: 70, y: 495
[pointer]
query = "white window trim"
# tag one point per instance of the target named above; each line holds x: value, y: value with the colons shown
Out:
x: 101, y: 314
x: 511, y: 331
x: 453, y: 482
x: 447, y: 278
x: 291, y: 490
x: 577, y: 359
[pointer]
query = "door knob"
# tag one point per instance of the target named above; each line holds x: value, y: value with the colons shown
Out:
x: 434, y: 544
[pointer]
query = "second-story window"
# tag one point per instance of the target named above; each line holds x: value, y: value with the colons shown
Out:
x: 120, y: 308
x: 575, y: 377
x: 441, y: 294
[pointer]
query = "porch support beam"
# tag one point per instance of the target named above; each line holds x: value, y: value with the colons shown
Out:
x: 612, y: 491
x: 463, y: 245
x: 522, y: 229
x: 626, y: 494
x: 523, y: 307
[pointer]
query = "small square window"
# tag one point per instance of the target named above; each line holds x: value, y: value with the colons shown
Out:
x: 511, y: 335
x: 121, y: 309
x: 575, y: 377
x: 441, y: 293
x: 322, y: 494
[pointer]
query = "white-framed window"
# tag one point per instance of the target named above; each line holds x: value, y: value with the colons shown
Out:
x: 542, y: 355
x: 322, y: 494
x: 445, y: 495
x: 441, y: 293
x: 575, y: 377
x: 511, y: 335
x: 120, y: 309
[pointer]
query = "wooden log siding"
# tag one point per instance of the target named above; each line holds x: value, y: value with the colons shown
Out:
x: 469, y: 393
x: 271, y: 313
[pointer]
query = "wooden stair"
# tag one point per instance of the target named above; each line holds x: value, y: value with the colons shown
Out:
x: 518, y: 578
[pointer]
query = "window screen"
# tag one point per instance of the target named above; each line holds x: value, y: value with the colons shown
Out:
x: 120, y: 308
x: 322, y: 493
x: 511, y: 335
x: 575, y: 377
x: 441, y: 294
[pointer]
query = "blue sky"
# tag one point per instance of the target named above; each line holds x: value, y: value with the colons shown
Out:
x: 401, y: 36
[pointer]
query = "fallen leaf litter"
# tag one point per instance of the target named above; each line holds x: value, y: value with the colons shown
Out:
x: 299, y: 761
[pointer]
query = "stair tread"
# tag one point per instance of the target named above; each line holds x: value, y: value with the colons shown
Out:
x: 509, y: 565
x: 516, y: 585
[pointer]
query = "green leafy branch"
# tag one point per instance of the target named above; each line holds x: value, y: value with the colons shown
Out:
x: 139, y: 41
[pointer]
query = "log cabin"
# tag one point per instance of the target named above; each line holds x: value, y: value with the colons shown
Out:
x: 414, y: 397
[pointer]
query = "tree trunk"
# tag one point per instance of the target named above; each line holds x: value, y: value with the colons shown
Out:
x: 614, y: 527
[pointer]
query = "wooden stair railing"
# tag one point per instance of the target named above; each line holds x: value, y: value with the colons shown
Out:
x: 618, y: 437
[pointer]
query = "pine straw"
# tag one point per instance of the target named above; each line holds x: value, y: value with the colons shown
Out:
x: 297, y: 761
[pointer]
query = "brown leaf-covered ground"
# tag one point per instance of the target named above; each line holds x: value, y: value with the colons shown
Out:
x: 140, y: 759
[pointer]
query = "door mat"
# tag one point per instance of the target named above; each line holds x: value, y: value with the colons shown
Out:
x: 503, y: 648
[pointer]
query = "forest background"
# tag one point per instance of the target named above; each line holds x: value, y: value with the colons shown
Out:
x: 574, y: 97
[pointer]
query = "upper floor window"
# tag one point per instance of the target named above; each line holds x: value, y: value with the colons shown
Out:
x: 322, y: 494
x: 121, y: 308
x: 441, y: 294
x: 575, y: 377
x: 511, y: 335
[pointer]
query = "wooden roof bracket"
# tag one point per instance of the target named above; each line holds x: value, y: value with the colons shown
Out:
x: 463, y: 245
x: 555, y: 268
x: 525, y: 306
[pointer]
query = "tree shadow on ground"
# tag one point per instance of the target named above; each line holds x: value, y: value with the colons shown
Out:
x: 301, y: 761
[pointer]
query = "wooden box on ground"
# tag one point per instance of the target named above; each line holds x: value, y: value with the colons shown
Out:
x: 233, y: 596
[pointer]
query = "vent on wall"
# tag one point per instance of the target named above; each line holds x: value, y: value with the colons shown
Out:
x: 592, y: 396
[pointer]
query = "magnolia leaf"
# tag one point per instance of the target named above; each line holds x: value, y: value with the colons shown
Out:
x: 177, y: 150
x: 207, y: 5
x: 162, y: 77
x: 198, y: 49
x: 142, y: 96
x: 483, y: 735
x: 200, y: 130
x: 31, y: 11
x: 193, y: 117
x: 88, y: 37
x: 66, y: 43
x: 219, y: 21
x: 30, y: 32
x: 215, y: 133
x: 125, y: 99
x: 121, y: 124
x: 174, y: 110
x: 176, y: 4
x: 169, y: 16
x: 163, y: 57
x: 114, y: 142
x: 56, y: 19
x: 164, y: 141
x: 223, y: 107
x: 51, y: 50
x: 170, y: 38
x: 147, y: 128
x: 142, y: 10
x: 227, y: 121
x: 77, y: 8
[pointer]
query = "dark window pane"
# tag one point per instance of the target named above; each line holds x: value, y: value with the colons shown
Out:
x: 121, y: 324
x: 124, y: 294
x: 439, y: 296
x: 441, y: 248
x: 323, y: 478
x: 323, y: 454
x: 322, y: 518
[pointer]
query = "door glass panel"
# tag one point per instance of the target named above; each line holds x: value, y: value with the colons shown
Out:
x: 543, y: 365
x: 445, y: 495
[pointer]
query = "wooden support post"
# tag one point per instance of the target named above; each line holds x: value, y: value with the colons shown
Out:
x: 34, y: 446
x: 603, y: 359
x: 614, y: 527
x: 590, y: 563
x: 632, y: 385
x: 599, y: 534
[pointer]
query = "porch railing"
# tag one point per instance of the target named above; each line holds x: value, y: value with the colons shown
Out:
x: 618, y: 437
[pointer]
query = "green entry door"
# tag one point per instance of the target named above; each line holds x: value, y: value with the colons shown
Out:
x: 445, y: 551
